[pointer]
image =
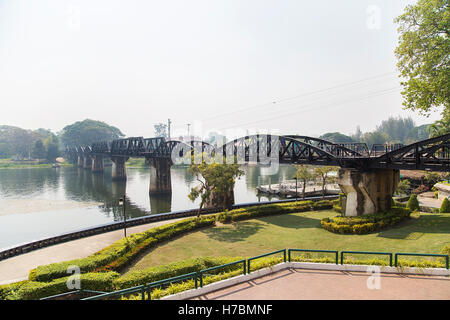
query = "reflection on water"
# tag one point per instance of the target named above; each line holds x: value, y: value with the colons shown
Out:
x: 81, y: 186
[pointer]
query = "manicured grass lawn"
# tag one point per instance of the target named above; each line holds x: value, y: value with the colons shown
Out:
x: 424, y: 233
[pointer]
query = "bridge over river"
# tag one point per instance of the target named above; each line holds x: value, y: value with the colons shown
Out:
x: 368, y: 177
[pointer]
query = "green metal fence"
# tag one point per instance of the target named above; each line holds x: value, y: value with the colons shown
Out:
x: 202, y: 272
x: 367, y: 252
x: 265, y: 255
x: 311, y: 250
x: 192, y: 275
x: 423, y: 255
x: 145, y: 290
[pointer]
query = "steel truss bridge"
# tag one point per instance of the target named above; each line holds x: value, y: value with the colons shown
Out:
x: 431, y: 154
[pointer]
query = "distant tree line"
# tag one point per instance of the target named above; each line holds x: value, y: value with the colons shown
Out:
x: 392, y: 130
x: 18, y: 143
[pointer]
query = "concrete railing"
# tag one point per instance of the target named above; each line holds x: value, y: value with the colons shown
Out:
x: 86, y: 232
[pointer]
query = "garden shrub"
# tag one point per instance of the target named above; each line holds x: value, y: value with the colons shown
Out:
x: 413, y: 203
x: 120, y: 253
x: 156, y: 273
x: 366, y: 223
x: 445, y: 206
x: 33, y: 290
x: 7, y: 291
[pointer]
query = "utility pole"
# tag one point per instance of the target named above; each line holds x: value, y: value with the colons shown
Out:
x: 189, y: 138
x: 168, y: 128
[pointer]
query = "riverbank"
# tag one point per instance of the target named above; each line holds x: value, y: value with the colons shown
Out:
x: 11, y: 164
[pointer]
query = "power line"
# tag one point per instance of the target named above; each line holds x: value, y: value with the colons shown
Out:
x: 371, y: 95
x: 300, y: 95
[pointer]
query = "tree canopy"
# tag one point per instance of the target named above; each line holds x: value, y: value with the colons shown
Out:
x: 423, y: 55
x: 88, y: 131
x: 216, y: 183
x: 336, y: 137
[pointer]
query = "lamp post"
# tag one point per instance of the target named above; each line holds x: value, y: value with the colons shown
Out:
x: 122, y: 203
x: 296, y: 192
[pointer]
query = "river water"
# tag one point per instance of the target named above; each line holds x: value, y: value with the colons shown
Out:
x: 39, y: 203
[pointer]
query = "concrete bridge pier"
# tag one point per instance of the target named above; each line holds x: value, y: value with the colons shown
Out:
x: 369, y: 191
x: 97, y: 164
x: 87, y: 162
x: 160, y: 178
x: 80, y: 161
x: 118, y: 170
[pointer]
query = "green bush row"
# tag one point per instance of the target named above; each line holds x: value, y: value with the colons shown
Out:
x: 121, y: 252
x: 34, y: 290
x: 151, y: 274
x: 366, y: 223
x: 273, y: 209
x: 118, y: 255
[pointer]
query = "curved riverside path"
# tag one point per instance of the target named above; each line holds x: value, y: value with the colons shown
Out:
x: 17, y: 268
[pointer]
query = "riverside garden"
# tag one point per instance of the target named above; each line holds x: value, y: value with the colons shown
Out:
x: 194, y: 244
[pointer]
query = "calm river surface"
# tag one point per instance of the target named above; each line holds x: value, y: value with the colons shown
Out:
x: 38, y: 203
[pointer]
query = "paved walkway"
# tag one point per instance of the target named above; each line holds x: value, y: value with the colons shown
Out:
x: 427, y: 199
x: 17, y: 268
x: 301, y: 284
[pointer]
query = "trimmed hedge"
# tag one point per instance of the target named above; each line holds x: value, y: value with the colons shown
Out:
x: 34, y: 290
x: 366, y: 223
x: 273, y: 209
x: 156, y: 273
x: 120, y: 253
x: 413, y: 203
x: 445, y: 206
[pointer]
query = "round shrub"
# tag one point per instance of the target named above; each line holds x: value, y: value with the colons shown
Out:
x: 413, y: 203
x: 445, y: 206
x: 366, y: 223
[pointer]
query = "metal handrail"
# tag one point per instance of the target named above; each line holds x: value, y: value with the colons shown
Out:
x: 367, y: 252
x: 265, y: 255
x: 311, y: 250
x: 201, y: 272
x: 423, y: 255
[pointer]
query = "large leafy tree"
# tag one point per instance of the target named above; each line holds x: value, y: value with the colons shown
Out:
x: 216, y: 183
x: 336, y: 137
x: 323, y: 175
x: 423, y: 55
x: 161, y: 130
x: 304, y: 174
x: 86, y: 132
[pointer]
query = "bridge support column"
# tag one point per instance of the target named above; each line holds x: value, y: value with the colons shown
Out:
x: 367, y: 192
x: 87, y: 162
x: 118, y: 171
x: 97, y: 164
x: 80, y: 161
x: 160, y: 178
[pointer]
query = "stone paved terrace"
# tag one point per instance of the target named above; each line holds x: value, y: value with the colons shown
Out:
x: 304, y: 284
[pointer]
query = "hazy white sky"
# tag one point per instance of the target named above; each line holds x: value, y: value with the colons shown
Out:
x: 292, y: 66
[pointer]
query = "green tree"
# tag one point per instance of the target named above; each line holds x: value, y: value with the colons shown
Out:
x: 39, y: 151
x: 304, y: 175
x: 161, y: 130
x: 86, y: 132
x: 323, y: 175
x: 445, y: 206
x: 403, y: 187
x: 52, y: 146
x: 216, y: 183
x: 423, y: 55
x: 375, y: 137
x: 336, y: 137
x: 440, y: 127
